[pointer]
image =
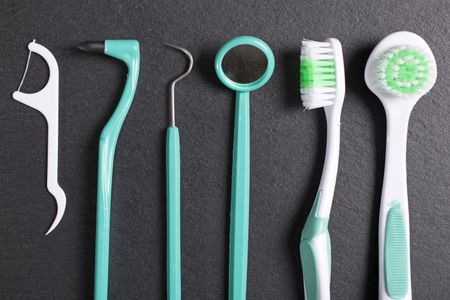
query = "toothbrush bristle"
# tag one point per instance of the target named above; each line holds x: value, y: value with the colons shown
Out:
x: 317, y: 74
x: 405, y: 70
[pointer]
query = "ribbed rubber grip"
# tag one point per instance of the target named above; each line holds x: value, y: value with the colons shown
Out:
x: 396, y: 253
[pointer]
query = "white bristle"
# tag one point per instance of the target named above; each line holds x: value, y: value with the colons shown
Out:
x: 316, y: 104
x: 317, y: 97
x: 321, y: 90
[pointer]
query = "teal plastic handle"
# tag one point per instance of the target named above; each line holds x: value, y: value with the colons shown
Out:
x: 173, y: 214
x: 128, y: 52
x: 240, y: 194
x: 314, y: 245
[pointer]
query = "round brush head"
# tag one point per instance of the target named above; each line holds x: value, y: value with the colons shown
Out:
x: 405, y: 70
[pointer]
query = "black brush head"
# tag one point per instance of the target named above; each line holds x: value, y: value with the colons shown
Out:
x: 92, y: 47
x: 244, y: 64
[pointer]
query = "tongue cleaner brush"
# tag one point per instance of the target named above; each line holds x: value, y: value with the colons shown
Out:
x: 322, y: 84
x: 243, y: 64
x: 128, y: 52
x: 46, y: 101
x: 400, y: 70
x: 173, y: 193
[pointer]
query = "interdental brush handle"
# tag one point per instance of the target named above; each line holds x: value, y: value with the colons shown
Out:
x: 128, y: 52
x: 240, y: 196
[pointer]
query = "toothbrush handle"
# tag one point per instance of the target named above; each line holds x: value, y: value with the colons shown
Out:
x: 394, y: 249
x: 315, y: 245
x: 173, y: 214
x: 315, y: 254
x: 240, y: 199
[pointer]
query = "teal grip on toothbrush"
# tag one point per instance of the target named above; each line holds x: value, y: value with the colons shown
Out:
x: 314, y: 239
x: 128, y: 52
x: 173, y: 214
x: 396, y: 253
x: 240, y: 193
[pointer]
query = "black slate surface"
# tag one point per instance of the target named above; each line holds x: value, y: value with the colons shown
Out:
x: 287, y: 149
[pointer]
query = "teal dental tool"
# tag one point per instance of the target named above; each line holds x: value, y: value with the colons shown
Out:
x: 240, y: 189
x: 173, y: 193
x: 128, y: 52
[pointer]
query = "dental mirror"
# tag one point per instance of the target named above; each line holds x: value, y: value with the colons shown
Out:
x: 243, y: 64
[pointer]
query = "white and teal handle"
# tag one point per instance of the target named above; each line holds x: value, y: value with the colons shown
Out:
x: 240, y: 196
x: 173, y: 214
x: 315, y: 254
x: 394, y: 249
x: 315, y: 246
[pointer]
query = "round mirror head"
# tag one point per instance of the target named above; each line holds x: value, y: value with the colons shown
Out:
x: 244, y: 63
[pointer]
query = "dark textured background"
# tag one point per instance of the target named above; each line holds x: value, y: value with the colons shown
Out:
x: 286, y: 156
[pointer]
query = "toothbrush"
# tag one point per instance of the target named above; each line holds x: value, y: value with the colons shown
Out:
x: 400, y: 70
x: 128, y: 52
x: 322, y: 84
x: 173, y: 192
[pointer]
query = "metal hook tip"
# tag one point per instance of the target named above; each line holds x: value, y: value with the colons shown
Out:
x: 172, y: 85
x: 186, y: 51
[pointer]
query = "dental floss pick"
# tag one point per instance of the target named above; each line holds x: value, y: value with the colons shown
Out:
x: 46, y: 101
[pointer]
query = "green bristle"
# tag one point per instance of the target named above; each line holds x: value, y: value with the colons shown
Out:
x: 404, y: 70
x: 317, y: 73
